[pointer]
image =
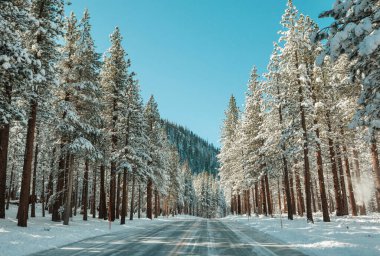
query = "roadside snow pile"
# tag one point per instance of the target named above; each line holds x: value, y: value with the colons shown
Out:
x: 342, y: 236
x: 42, y: 234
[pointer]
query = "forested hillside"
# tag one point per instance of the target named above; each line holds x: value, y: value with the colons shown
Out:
x: 200, y: 154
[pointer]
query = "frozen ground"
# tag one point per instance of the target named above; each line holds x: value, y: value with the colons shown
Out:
x: 42, y: 233
x: 342, y: 236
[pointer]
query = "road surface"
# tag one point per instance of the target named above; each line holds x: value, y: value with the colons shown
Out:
x: 185, y: 237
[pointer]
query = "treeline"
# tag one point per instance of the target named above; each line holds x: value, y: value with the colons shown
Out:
x: 201, y: 155
x: 304, y: 142
x: 74, y: 132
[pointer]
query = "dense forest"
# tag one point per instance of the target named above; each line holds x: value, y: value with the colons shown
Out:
x: 75, y: 135
x: 201, y: 155
x: 307, y: 138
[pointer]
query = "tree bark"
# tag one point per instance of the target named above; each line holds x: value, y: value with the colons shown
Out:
x: 132, y: 195
x: 309, y: 213
x: 334, y: 170
x: 263, y: 197
x: 321, y: 179
x: 149, y: 199
x: 93, y: 205
x: 112, y: 192
x: 4, y: 144
x: 11, y: 181
x: 117, y: 211
x: 34, y: 197
x: 85, y: 189
x: 124, y: 198
x: 269, y: 199
x: 293, y: 199
x: 69, y: 186
x: 156, y: 204
x: 102, y: 195
x: 375, y: 169
x: 27, y: 168
x: 349, y: 181
x: 139, y: 203
x: 342, y: 182
x: 301, y: 204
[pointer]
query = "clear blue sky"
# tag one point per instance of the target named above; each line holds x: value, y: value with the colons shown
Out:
x: 193, y: 54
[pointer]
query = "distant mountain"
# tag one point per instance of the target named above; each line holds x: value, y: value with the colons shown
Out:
x: 200, y: 154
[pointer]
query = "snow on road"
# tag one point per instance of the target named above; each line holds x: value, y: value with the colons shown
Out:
x: 343, y: 236
x: 349, y: 236
x: 42, y: 233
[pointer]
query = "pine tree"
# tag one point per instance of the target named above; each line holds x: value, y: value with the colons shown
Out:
x: 356, y: 32
x: 17, y: 67
x: 41, y: 41
x: 113, y: 81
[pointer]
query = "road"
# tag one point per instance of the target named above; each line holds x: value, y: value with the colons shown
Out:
x: 185, y: 237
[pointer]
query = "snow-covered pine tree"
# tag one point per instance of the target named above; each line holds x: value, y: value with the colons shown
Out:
x: 41, y: 40
x: 135, y: 149
x: 17, y: 69
x: 227, y: 142
x: 114, y: 78
x: 356, y: 32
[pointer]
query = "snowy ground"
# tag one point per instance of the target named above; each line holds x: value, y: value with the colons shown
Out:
x: 42, y: 233
x: 342, y: 236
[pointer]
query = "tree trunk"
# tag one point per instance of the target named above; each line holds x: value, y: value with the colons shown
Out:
x: 4, y: 145
x: 11, y: 181
x: 309, y: 213
x: 263, y: 197
x: 301, y: 204
x: 314, y: 206
x: 50, y: 186
x: 292, y: 194
x: 27, y: 168
x: 279, y: 195
x: 342, y: 182
x: 149, y: 199
x: 334, y: 170
x: 349, y: 181
x: 362, y: 208
x: 117, y: 211
x: 93, y: 193
x: 43, y: 194
x: 139, y: 203
x: 56, y: 215
x: 258, y: 206
x: 112, y: 192
x: 85, y: 190
x: 239, y: 204
x: 132, y: 196
x: 69, y: 186
x: 124, y: 198
x: 156, y: 204
x: 34, y: 197
x: 269, y: 199
x: 102, y: 196
x: 285, y: 170
x: 321, y: 179
x: 375, y: 169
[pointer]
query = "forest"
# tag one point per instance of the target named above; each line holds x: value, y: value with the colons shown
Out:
x: 75, y: 135
x: 307, y: 138
x: 77, y: 138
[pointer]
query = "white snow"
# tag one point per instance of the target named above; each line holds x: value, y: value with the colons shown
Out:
x: 42, y: 234
x: 347, y: 235
x: 370, y: 43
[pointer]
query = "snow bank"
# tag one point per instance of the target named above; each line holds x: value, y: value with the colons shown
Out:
x: 342, y: 236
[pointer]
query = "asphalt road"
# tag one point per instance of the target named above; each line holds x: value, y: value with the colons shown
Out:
x: 185, y: 237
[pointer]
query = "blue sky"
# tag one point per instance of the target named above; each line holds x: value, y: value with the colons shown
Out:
x: 193, y: 54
